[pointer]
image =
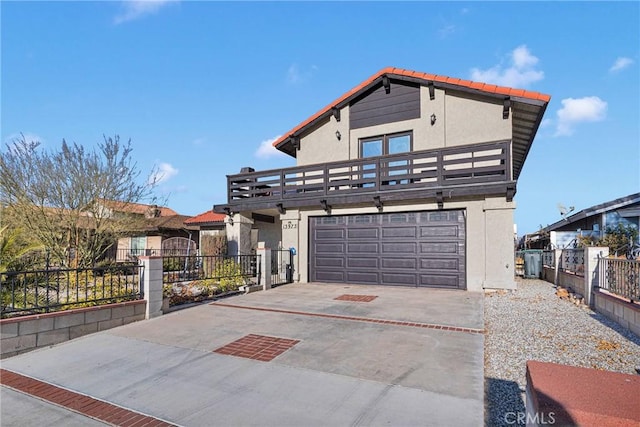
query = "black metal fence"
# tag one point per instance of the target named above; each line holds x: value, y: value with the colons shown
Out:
x: 201, y: 267
x: 281, y: 267
x: 42, y: 291
x: 620, y: 277
x: 132, y: 255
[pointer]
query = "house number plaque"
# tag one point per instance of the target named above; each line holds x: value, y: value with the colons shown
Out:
x: 289, y: 225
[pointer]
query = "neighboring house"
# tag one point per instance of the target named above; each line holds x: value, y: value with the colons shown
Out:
x: 407, y: 179
x: 593, y: 221
x: 158, y: 230
x: 209, y: 224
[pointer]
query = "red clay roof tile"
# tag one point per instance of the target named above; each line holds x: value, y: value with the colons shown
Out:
x: 208, y: 216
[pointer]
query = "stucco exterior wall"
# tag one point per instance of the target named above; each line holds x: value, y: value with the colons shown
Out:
x: 489, y: 245
x: 460, y: 120
x: 322, y: 145
x: 154, y: 242
x: 269, y: 233
x: 470, y: 120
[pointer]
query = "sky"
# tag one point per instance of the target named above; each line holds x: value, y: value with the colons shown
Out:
x: 201, y: 88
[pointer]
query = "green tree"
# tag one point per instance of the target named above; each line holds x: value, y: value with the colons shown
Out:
x: 620, y: 239
x: 14, y: 245
x: 56, y: 195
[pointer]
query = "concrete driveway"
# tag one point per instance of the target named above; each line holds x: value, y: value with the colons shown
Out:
x: 407, y: 357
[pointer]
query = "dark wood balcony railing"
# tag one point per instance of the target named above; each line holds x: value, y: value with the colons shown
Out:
x: 345, y: 181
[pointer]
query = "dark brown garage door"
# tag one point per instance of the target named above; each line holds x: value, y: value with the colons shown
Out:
x: 404, y: 249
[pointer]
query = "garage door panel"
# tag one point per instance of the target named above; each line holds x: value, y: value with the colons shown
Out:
x: 439, y: 231
x: 329, y: 234
x: 360, y: 262
x: 399, y: 249
x: 365, y: 277
x: 399, y: 279
x: 440, y: 264
x: 363, y: 233
x: 399, y: 263
x: 439, y: 248
x: 330, y: 276
x: 439, y: 280
x: 363, y: 248
x: 330, y: 262
x: 322, y: 248
x: 399, y: 232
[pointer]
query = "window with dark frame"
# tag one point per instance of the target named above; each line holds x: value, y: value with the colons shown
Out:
x: 395, y: 143
x: 401, y: 142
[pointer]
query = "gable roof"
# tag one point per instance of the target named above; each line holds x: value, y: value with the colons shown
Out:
x: 206, y: 218
x: 527, y: 106
x: 172, y: 222
x: 615, y: 204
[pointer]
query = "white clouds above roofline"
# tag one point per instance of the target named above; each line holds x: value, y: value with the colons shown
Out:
x: 579, y: 110
x: 521, y: 71
x: 135, y: 9
x: 266, y: 150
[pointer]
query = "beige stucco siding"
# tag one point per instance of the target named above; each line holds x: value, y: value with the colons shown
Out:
x: 322, y: 146
x: 489, y: 244
x: 470, y: 120
x: 154, y: 242
x: 460, y: 119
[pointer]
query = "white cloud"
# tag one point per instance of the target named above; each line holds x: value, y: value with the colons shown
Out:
x: 28, y: 136
x: 620, y: 64
x: 446, y: 30
x: 266, y: 149
x: 296, y: 76
x: 134, y: 9
x: 163, y: 173
x: 521, y: 71
x: 574, y: 111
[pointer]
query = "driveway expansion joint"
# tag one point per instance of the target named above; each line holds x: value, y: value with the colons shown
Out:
x: 356, y: 319
x: 80, y: 403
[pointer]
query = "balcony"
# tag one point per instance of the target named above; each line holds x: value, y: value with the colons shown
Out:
x: 479, y: 169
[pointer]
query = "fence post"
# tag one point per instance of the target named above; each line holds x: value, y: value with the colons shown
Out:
x: 592, y: 270
x: 558, y: 264
x: 152, y: 284
x: 264, y: 255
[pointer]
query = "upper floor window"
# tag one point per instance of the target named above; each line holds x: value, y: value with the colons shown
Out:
x: 386, y: 144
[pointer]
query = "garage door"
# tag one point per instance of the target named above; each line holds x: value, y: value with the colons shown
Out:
x: 403, y: 249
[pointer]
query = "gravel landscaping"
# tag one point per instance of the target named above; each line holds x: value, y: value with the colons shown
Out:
x: 532, y: 323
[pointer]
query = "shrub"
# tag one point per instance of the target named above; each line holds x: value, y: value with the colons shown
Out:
x: 229, y: 275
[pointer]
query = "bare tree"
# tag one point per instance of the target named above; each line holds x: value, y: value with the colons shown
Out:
x: 57, y: 195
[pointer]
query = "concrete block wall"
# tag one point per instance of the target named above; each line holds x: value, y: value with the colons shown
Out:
x: 22, y: 334
x: 624, y: 313
x: 576, y: 283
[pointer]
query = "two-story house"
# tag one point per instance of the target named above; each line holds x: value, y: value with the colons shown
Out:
x: 408, y: 179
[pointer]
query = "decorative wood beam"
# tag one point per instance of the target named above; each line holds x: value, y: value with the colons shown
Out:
x: 336, y: 113
x: 377, y: 202
x: 440, y: 199
x: 432, y: 91
x: 325, y: 206
x: 506, y: 106
x: 386, y: 83
x: 295, y: 142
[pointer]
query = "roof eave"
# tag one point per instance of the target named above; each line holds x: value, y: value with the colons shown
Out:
x: 286, y: 146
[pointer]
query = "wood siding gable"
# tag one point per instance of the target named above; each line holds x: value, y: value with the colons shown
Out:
x: 378, y: 107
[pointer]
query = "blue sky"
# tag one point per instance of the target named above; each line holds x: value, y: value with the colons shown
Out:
x: 201, y: 87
